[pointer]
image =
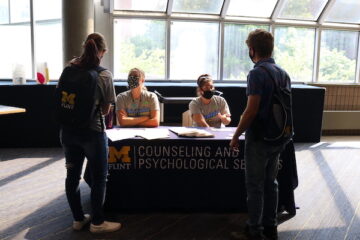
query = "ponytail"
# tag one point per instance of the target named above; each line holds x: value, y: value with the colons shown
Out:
x: 94, y: 43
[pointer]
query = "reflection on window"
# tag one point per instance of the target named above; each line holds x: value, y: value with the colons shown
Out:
x: 141, y: 5
x: 48, y: 40
x: 194, y: 50
x: 294, y: 51
x: 198, y: 6
x: 47, y: 9
x: 139, y: 43
x: 19, y: 11
x: 251, y: 8
x: 237, y: 63
x: 344, y: 11
x: 338, y: 56
x: 17, y: 49
x: 302, y: 9
x: 4, y: 11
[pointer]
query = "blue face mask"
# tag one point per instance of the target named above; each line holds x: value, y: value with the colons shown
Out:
x: 133, y: 82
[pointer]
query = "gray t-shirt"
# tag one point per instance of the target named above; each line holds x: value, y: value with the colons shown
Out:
x: 209, y: 111
x: 105, y: 94
x: 143, y: 106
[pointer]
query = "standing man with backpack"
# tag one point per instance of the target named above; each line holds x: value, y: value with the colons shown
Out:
x: 83, y: 96
x: 267, y: 120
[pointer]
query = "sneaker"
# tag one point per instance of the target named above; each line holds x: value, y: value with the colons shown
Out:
x: 105, y: 227
x: 78, y: 225
x: 271, y: 232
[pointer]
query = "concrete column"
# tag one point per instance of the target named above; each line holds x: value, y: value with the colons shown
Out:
x: 77, y: 23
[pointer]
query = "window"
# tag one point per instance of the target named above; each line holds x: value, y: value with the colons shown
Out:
x: 294, y: 51
x: 139, y: 43
x: 302, y: 9
x: 16, y: 48
x: 4, y: 11
x: 48, y: 35
x: 198, y: 6
x: 251, y: 8
x: 345, y: 11
x: 338, y: 56
x: 15, y: 25
x: 19, y: 11
x: 141, y: 5
x: 237, y: 63
x: 194, y: 50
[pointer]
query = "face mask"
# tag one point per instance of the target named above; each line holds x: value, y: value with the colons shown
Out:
x: 208, y: 94
x: 133, y: 82
x: 252, y: 56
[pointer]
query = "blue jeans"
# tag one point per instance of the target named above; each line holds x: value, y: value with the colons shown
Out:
x: 94, y: 146
x: 262, y: 163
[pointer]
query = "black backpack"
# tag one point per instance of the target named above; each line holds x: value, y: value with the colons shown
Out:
x: 75, y: 102
x: 278, y: 125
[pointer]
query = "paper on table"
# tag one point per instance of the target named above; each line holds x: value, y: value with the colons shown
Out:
x: 191, y: 132
x: 117, y: 134
x: 154, y: 133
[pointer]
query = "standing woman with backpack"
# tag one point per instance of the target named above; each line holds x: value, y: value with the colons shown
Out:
x: 88, y: 138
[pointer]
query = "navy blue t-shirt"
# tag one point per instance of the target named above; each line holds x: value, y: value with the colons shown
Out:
x: 260, y: 83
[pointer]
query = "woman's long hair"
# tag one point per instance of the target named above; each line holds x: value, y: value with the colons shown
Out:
x: 94, y: 43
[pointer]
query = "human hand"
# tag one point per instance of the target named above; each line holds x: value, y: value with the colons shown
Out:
x: 234, y: 144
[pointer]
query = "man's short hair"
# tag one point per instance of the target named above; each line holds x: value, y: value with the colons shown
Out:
x: 262, y: 42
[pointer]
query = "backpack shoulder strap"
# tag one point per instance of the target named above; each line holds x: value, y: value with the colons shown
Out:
x: 276, y: 87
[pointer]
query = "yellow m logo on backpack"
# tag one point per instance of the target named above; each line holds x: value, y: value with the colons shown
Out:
x: 68, y: 98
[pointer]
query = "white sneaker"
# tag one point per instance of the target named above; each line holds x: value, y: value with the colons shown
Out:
x: 105, y: 227
x: 78, y: 225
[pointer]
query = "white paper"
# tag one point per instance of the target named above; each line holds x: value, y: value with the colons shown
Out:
x: 154, y: 133
x: 117, y: 134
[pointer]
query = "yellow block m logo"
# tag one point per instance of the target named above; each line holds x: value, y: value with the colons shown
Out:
x: 122, y: 155
x: 68, y: 98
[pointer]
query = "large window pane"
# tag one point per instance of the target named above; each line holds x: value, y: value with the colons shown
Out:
x: 48, y: 39
x: 48, y: 35
x: 345, y: 11
x: 294, y: 51
x: 19, y: 11
x: 302, y: 9
x: 47, y: 9
x: 198, y: 6
x: 194, y: 50
x: 141, y: 5
x: 139, y: 43
x: 4, y: 11
x: 251, y: 8
x: 338, y: 56
x: 237, y: 63
x: 16, y: 49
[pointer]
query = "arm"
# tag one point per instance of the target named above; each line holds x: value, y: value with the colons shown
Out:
x: 105, y: 108
x: 126, y: 121
x: 154, y: 119
x: 200, y: 120
x: 225, y: 118
x: 246, y: 119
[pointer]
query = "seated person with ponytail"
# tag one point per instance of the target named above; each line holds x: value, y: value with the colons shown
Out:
x: 137, y: 107
x: 208, y: 110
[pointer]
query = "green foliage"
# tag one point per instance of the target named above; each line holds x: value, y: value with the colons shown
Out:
x: 152, y: 61
x: 299, y: 8
x: 294, y: 49
x: 335, y: 66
